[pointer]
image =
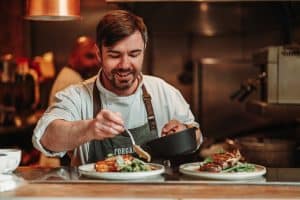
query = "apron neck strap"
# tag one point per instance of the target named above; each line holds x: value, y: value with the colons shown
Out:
x: 96, y: 100
x: 149, y: 109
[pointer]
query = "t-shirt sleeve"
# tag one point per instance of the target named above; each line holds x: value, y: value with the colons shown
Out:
x: 67, y: 107
x: 183, y: 113
x: 178, y: 108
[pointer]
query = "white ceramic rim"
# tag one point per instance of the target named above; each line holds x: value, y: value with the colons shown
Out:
x: 89, y: 171
x: 191, y: 170
x: 9, y: 150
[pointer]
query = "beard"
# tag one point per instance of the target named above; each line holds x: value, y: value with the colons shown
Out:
x: 122, y: 79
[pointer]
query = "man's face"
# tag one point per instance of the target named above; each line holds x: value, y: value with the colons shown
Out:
x: 122, y: 63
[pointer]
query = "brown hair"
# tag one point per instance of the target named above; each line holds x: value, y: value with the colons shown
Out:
x: 118, y: 24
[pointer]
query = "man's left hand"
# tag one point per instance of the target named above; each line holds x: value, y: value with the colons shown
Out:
x: 172, y: 126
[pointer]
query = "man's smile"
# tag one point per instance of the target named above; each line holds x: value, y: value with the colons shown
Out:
x: 123, y: 74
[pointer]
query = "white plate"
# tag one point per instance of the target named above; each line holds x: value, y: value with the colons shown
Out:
x: 10, y: 182
x: 89, y: 170
x: 191, y: 169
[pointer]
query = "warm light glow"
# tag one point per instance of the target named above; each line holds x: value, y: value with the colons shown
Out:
x: 48, y: 56
x: 208, y: 31
x: 209, y: 61
x: 7, y: 56
x: 62, y: 7
x: 203, y: 7
x: 82, y: 39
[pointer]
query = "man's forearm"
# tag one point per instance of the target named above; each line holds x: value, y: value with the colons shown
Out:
x: 62, y: 135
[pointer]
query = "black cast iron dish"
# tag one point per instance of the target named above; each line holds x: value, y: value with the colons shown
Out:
x: 172, y: 145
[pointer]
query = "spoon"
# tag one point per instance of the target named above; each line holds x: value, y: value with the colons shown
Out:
x: 138, y: 149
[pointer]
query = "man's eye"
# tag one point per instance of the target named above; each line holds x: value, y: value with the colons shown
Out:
x: 114, y: 55
x: 135, y: 54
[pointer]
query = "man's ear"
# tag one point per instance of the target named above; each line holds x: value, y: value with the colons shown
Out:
x: 98, y: 53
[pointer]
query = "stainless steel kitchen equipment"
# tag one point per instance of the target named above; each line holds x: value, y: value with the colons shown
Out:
x: 279, y: 89
x: 282, y: 66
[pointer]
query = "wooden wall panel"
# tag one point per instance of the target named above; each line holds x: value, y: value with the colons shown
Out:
x: 12, y: 26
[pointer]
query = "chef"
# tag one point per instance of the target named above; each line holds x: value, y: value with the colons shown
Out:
x: 87, y: 119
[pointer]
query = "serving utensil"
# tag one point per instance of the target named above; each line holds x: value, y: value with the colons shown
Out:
x: 140, y: 152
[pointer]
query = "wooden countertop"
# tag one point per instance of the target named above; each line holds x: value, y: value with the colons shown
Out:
x: 155, y: 191
x: 67, y: 183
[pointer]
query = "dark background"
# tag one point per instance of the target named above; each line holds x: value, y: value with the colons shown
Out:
x: 180, y: 32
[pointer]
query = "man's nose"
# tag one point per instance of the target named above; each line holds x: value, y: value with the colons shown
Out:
x: 125, y: 61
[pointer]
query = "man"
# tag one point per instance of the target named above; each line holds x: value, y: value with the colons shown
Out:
x: 89, y: 118
x: 82, y: 64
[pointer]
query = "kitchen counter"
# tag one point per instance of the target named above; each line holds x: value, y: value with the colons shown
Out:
x: 66, y: 182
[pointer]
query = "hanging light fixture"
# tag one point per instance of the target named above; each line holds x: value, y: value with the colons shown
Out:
x: 52, y: 10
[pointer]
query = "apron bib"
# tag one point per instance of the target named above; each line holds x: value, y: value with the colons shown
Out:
x: 121, y: 144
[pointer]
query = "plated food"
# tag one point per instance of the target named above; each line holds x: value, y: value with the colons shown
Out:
x: 121, y: 167
x: 121, y: 163
x: 224, y: 166
x: 226, y: 162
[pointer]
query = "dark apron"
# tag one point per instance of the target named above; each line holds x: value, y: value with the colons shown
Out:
x: 121, y: 144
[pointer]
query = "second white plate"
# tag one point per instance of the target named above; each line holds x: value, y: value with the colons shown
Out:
x: 191, y: 169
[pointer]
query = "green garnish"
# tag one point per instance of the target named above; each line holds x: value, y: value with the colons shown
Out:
x: 207, y: 160
x: 241, y: 167
x: 135, y: 165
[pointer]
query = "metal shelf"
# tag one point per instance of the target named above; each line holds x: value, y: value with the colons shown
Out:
x: 272, y: 110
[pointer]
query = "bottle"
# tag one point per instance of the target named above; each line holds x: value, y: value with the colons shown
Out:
x: 8, y: 68
x: 27, y: 87
x: 7, y: 100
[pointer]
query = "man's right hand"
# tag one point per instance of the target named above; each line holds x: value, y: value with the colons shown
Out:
x: 107, y: 124
x: 63, y: 135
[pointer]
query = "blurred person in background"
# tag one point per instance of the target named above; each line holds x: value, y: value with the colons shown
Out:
x: 82, y: 64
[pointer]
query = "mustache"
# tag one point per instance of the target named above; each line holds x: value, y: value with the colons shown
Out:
x: 121, y: 70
